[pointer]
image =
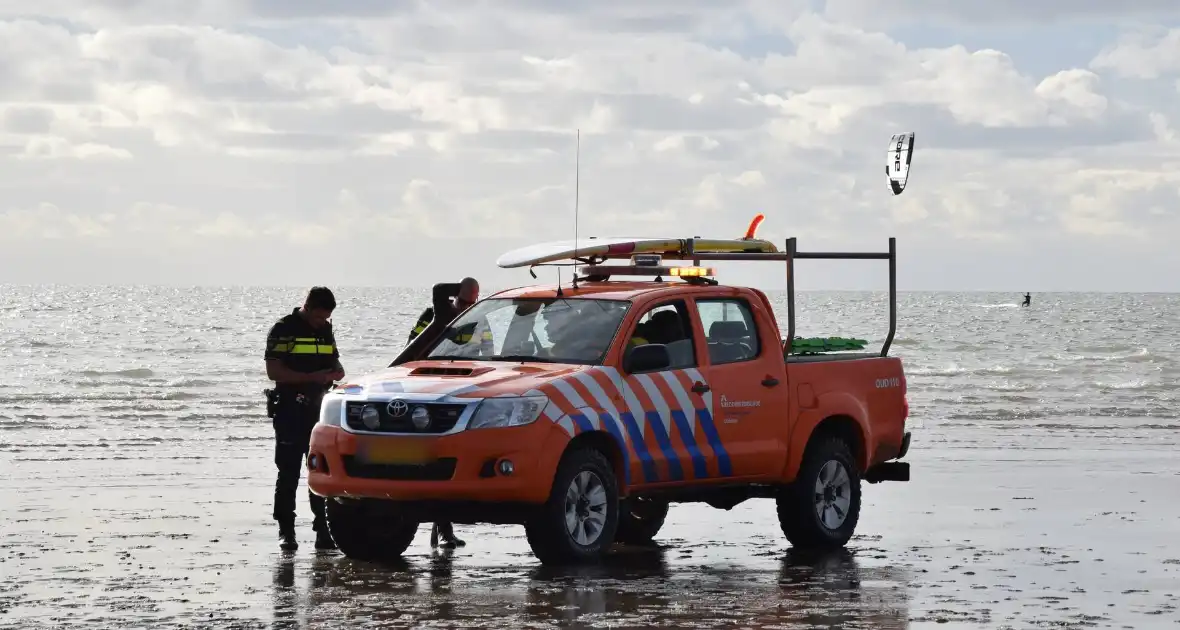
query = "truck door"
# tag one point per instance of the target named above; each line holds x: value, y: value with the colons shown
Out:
x: 657, y: 408
x: 739, y: 387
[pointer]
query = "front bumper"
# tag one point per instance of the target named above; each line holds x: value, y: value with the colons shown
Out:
x: 462, y: 467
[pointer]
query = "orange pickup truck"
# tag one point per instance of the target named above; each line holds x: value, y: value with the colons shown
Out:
x: 599, y: 404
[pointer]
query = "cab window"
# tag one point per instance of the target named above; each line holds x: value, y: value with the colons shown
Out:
x: 670, y: 325
x: 730, y: 329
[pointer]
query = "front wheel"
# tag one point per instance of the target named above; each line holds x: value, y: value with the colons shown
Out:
x: 578, y: 521
x: 821, y: 507
x: 369, y: 529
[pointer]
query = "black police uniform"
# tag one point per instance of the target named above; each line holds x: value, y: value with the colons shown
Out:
x: 294, y: 409
x: 486, y: 339
x: 424, y: 320
x: 440, y: 528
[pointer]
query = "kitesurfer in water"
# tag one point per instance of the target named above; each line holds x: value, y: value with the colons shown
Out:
x: 1027, y: 300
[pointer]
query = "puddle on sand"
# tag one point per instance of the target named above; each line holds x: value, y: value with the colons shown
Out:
x: 634, y: 588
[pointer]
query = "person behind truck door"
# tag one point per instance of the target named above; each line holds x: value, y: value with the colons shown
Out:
x: 468, y: 295
x: 303, y: 361
x: 578, y: 332
x: 1027, y: 299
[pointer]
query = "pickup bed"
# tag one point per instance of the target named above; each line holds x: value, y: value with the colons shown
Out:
x: 596, y: 407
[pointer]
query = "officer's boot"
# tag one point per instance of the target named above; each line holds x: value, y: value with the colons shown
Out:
x: 323, y: 541
x: 287, y: 540
x: 446, y: 532
x: 323, y: 538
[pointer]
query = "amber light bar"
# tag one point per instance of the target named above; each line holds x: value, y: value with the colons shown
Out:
x: 647, y: 270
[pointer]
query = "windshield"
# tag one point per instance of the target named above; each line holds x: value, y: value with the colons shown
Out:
x: 554, y: 330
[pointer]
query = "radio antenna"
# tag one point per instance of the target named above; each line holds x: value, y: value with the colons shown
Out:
x: 577, y: 186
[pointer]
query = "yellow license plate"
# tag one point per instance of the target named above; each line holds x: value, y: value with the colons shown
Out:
x: 392, y: 451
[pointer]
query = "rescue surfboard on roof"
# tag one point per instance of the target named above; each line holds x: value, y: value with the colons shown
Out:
x: 627, y: 246
x: 897, y: 161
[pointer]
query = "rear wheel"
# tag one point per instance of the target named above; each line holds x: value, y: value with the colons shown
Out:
x: 640, y: 520
x: 821, y: 508
x: 578, y: 521
x: 369, y: 529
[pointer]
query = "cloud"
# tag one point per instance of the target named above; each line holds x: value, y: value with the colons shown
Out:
x: 1142, y: 54
x: 204, y: 140
x: 999, y: 11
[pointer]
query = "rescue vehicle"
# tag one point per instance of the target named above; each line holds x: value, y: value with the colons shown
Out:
x: 603, y: 400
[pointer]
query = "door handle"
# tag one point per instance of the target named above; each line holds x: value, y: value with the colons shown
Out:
x: 770, y: 381
x: 699, y: 387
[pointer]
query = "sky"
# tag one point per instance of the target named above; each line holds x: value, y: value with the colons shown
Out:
x: 403, y: 143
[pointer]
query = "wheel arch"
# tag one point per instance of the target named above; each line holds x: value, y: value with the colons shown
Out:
x: 609, y: 446
x: 837, y: 415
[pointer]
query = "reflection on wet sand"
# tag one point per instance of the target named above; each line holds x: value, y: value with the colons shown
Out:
x: 632, y: 588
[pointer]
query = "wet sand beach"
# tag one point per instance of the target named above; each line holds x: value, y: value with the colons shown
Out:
x: 1066, y: 532
x: 137, y: 493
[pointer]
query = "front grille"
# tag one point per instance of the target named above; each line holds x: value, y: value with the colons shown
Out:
x: 442, y: 417
x: 437, y: 470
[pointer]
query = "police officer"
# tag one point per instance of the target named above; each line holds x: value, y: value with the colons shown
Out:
x: 303, y: 361
x: 467, y: 295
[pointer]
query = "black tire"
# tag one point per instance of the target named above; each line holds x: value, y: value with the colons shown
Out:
x: 798, y: 511
x: 369, y: 529
x: 546, y: 530
x: 640, y: 520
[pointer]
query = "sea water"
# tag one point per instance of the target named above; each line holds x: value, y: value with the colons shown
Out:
x: 138, y: 472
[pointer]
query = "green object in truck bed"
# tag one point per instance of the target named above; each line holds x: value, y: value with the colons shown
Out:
x: 816, y: 345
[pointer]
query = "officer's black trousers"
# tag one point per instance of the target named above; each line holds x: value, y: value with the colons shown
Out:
x: 292, y: 426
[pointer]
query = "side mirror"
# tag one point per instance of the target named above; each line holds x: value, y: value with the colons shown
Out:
x: 649, y: 357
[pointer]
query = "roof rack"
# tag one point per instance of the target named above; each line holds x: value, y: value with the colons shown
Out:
x: 789, y: 256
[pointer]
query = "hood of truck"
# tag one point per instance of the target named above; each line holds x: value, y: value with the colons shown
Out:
x: 462, y: 379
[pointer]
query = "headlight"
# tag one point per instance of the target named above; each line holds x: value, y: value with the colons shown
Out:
x: 371, y: 418
x: 508, y: 412
x: 331, y: 408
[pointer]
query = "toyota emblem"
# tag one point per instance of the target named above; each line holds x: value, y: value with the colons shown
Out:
x: 398, y: 408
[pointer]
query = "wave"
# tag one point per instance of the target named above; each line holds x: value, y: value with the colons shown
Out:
x: 129, y: 373
x: 1111, y: 353
x: 1039, y: 411
x: 956, y: 370
x: 1139, y: 384
x: 192, y: 382
x: 1012, y: 305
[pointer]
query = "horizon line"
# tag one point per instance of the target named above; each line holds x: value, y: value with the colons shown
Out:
x: 304, y: 287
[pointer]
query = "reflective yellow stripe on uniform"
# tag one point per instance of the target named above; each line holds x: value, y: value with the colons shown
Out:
x: 423, y: 322
x: 309, y: 345
x: 283, y: 344
x: 637, y: 341
x: 465, y: 337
